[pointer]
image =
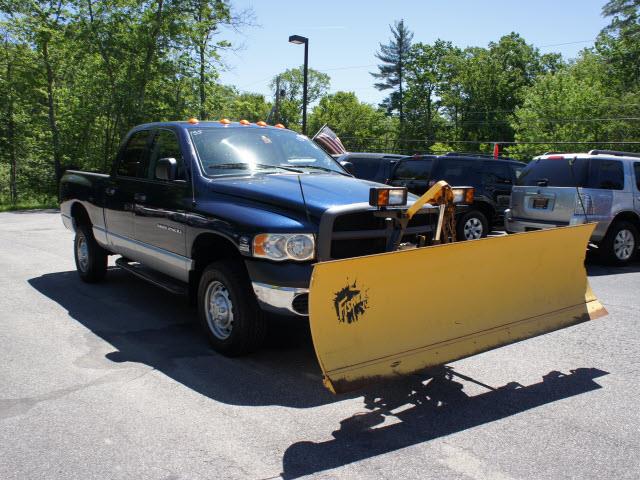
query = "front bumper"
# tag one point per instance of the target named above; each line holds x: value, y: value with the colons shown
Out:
x: 282, y: 300
x: 281, y: 288
x: 518, y: 225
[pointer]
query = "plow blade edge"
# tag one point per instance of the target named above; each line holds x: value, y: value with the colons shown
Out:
x: 396, y: 313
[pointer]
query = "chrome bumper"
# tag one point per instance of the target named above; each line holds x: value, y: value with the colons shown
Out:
x: 281, y: 299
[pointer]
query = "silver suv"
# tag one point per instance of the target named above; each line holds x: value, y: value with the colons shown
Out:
x: 568, y: 189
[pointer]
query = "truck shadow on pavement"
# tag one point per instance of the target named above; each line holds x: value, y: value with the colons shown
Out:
x: 428, y: 409
x: 146, y: 326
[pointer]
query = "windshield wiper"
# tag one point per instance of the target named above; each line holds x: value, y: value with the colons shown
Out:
x: 245, y: 165
x: 316, y: 167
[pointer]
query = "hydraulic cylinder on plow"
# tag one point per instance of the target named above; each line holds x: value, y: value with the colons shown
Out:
x: 396, y: 313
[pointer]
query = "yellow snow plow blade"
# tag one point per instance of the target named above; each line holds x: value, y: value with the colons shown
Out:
x: 395, y: 313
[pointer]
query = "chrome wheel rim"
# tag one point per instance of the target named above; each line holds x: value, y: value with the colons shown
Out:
x: 82, y: 251
x: 623, y: 245
x: 472, y: 229
x: 219, y: 310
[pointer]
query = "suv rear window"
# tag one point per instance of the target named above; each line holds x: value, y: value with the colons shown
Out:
x: 589, y: 173
x: 413, y: 169
x: 554, y: 173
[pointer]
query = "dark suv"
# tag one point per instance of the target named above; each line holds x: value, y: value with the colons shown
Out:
x: 492, y: 179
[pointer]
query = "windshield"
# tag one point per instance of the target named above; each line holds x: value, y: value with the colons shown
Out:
x: 552, y: 172
x: 247, y: 150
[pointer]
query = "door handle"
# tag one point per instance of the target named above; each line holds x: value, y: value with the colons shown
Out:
x: 139, y: 197
x: 110, y: 191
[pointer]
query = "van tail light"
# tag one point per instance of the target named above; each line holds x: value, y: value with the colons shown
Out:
x: 586, y: 200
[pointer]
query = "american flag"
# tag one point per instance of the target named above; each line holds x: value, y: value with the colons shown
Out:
x: 329, y: 141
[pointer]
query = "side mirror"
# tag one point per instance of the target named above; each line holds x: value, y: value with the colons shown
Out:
x: 348, y: 166
x: 166, y: 169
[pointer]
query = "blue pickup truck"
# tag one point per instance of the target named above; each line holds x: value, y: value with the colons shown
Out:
x: 233, y: 214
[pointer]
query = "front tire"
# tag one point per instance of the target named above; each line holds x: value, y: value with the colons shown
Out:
x: 620, y: 244
x: 472, y: 225
x: 91, y: 259
x: 228, y: 310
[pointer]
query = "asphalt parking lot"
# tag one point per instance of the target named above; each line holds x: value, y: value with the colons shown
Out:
x: 114, y: 381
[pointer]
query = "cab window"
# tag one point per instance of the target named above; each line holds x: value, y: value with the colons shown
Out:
x: 134, y: 159
x: 636, y: 168
x: 166, y: 145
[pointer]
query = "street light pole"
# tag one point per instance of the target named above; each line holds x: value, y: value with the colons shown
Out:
x: 299, y: 40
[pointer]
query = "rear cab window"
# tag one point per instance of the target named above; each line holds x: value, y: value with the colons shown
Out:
x: 636, y: 170
x: 134, y: 158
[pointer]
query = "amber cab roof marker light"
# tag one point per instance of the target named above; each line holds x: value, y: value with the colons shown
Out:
x: 279, y: 125
x: 192, y: 121
x: 261, y: 123
x: 225, y: 121
x: 244, y: 122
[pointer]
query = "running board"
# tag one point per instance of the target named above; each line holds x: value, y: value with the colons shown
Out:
x: 159, y: 279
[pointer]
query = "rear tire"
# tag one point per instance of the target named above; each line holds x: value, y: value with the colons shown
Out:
x: 620, y: 244
x: 228, y: 309
x: 91, y: 259
x: 472, y: 225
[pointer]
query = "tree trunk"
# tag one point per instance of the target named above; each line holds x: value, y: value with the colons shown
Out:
x: 151, y: 49
x: 203, y: 79
x: 53, y: 124
x: 11, y: 136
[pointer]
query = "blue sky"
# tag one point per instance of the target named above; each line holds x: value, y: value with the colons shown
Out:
x: 344, y: 35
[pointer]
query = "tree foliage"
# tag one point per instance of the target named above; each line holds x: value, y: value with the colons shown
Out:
x: 391, y: 72
x: 291, y: 83
x: 355, y: 122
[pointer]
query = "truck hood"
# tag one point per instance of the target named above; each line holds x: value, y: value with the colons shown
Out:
x: 321, y: 191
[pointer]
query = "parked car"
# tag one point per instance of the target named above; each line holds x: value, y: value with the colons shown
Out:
x: 232, y: 214
x: 376, y: 167
x: 491, y: 178
x: 567, y: 189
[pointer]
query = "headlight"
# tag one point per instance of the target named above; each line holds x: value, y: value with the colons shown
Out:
x: 463, y: 195
x: 284, y: 246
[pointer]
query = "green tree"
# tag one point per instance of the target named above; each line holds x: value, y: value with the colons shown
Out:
x: 577, y: 104
x: 291, y: 82
x: 359, y: 125
x: 391, y: 72
x: 426, y: 73
x: 619, y: 43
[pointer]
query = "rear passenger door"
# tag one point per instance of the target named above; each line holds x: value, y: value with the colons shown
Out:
x: 131, y: 168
